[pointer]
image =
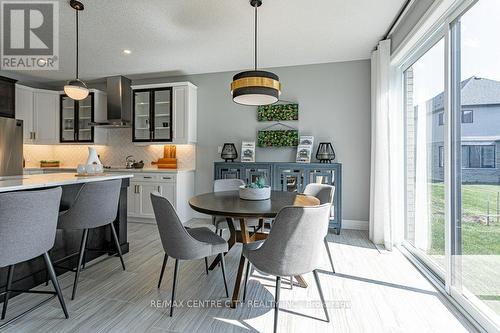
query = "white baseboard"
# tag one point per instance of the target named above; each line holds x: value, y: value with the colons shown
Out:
x: 355, y: 224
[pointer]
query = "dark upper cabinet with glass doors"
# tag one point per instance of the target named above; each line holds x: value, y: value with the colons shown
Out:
x: 152, y: 115
x: 75, y: 119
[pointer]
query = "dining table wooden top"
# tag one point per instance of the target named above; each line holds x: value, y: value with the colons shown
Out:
x: 228, y: 203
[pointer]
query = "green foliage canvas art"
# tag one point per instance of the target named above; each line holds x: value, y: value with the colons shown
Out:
x: 278, y: 112
x: 279, y: 138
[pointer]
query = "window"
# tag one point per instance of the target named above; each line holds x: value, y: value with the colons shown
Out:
x: 424, y: 225
x: 462, y: 205
x: 441, y: 119
x: 478, y: 156
x: 441, y: 156
x: 488, y: 156
x: 467, y: 117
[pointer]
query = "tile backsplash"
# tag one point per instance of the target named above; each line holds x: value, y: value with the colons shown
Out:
x: 113, y: 154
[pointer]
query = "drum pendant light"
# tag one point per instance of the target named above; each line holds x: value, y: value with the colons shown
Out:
x: 76, y: 89
x: 255, y: 87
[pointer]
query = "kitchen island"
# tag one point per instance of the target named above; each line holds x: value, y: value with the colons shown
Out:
x: 32, y: 273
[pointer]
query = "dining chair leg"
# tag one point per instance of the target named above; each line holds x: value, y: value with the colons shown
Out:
x: 329, y: 254
x: 10, y: 275
x: 318, y: 284
x: 223, y: 267
x: 206, y: 265
x: 174, y: 284
x: 276, y: 303
x: 247, y: 273
x: 117, y: 243
x: 165, y: 258
x: 80, y: 259
x: 55, y: 283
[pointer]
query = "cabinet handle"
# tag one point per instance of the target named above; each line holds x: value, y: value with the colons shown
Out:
x: 136, y: 188
x: 158, y: 188
x: 34, y: 135
x: 167, y: 178
x: 147, y: 177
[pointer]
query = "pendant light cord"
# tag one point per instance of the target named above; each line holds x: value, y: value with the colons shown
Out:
x: 77, y: 45
x: 256, y: 36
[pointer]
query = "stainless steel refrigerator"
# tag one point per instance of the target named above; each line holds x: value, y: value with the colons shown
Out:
x: 11, y: 147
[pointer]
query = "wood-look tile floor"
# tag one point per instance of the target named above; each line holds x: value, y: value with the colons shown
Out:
x: 372, y: 291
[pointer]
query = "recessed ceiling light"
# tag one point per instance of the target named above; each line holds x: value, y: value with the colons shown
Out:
x: 126, y: 51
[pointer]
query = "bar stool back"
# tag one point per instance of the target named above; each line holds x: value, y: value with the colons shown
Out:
x: 96, y: 205
x: 28, y: 221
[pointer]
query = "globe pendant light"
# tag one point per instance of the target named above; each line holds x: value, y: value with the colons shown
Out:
x: 255, y: 87
x: 76, y: 89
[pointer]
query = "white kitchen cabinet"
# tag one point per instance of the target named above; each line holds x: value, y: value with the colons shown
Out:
x: 46, y: 117
x: 177, y: 187
x: 24, y: 110
x: 39, y: 110
x: 184, y: 112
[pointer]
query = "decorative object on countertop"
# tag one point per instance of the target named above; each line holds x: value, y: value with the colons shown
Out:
x: 248, y: 151
x: 129, y: 162
x: 169, y: 159
x: 138, y: 165
x: 76, y: 89
x: 255, y: 87
x: 325, y: 153
x: 304, y: 149
x: 278, y: 112
x: 49, y: 164
x: 229, y: 152
x: 93, y: 157
x: 255, y: 191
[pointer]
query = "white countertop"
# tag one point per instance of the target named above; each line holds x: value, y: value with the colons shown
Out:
x: 26, y: 182
x: 116, y: 169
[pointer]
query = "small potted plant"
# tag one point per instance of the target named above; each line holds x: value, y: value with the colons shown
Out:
x: 255, y: 191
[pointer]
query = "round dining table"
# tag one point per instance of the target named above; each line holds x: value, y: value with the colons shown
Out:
x: 229, y: 205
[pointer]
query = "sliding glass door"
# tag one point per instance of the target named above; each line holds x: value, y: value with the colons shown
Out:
x: 424, y: 86
x: 476, y: 271
x: 452, y: 158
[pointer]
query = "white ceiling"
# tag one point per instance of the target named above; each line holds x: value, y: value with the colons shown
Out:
x: 201, y: 36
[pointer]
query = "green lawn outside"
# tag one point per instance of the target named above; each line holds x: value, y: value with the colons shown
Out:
x: 477, y: 237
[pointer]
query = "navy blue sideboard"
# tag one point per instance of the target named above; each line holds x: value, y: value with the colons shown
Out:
x: 292, y: 177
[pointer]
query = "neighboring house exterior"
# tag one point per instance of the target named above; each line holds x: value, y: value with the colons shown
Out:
x: 480, y: 132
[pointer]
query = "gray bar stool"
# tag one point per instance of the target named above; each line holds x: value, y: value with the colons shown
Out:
x: 28, y: 223
x: 96, y: 205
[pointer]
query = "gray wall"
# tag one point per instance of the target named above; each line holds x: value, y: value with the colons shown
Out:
x: 334, y: 105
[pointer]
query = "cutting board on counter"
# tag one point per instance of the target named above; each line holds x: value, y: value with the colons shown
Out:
x: 169, y: 159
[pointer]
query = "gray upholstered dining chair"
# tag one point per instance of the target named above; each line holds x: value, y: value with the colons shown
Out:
x: 96, y: 205
x: 292, y: 248
x: 28, y: 222
x: 184, y: 244
x: 324, y: 193
x: 220, y: 222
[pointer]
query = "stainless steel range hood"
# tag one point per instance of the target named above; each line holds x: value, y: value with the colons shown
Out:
x: 119, y: 101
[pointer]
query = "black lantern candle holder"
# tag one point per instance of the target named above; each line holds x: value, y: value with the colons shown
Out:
x: 325, y: 153
x: 229, y: 152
